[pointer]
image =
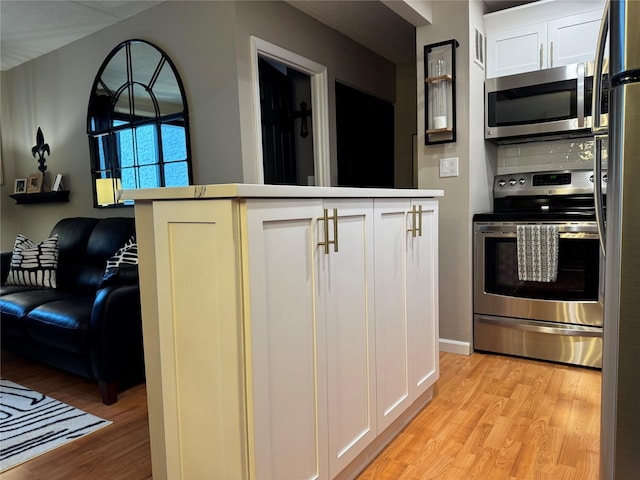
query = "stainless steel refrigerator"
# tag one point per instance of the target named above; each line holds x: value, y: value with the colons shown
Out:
x: 620, y: 427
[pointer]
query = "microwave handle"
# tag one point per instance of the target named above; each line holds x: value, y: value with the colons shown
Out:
x: 596, y: 109
x: 581, y: 95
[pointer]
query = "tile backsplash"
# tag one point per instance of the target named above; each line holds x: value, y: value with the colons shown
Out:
x: 569, y: 154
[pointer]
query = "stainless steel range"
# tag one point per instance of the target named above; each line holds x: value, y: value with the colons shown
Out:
x: 559, y: 320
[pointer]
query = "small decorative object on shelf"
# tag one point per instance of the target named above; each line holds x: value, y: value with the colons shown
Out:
x: 40, y: 148
x: 440, y: 92
x: 57, y: 184
x: 34, y: 183
x: 20, y: 185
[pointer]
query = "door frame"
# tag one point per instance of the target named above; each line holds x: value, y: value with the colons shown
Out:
x: 319, y: 105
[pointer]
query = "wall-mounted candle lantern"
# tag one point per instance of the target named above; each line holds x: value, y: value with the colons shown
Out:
x: 440, y: 92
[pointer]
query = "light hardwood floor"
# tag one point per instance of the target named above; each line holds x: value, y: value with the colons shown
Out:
x: 492, y: 418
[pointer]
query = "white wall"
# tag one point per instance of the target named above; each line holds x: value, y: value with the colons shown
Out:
x: 209, y: 44
x: 468, y: 193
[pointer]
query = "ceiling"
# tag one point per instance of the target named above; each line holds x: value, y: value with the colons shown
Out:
x: 29, y: 29
x: 32, y: 28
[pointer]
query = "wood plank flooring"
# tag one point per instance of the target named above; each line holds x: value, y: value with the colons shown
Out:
x: 492, y: 417
x: 500, y: 418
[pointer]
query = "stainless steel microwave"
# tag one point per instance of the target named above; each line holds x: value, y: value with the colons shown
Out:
x: 551, y: 103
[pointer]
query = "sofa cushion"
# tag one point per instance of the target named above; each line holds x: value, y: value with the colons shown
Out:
x: 62, y: 324
x: 125, y: 275
x: 34, y: 264
x: 85, y: 246
x: 16, y: 305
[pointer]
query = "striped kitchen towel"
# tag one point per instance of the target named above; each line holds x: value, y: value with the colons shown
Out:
x: 537, y: 247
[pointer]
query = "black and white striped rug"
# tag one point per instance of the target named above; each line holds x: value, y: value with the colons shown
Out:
x: 32, y: 423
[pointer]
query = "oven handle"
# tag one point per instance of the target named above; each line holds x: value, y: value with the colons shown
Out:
x: 574, y: 331
x: 498, y: 232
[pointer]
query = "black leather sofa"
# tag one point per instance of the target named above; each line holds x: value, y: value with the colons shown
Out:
x: 90, y: 324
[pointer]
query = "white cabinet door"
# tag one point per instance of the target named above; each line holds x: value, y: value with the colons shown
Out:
x: 573, y: 39
x: 390, y: 237
x: 517, y: 50
x: 345, y: 298
x: 405, y: 303
x: 286, y: 359
x: 553, y: 43
x: 310, y: 314
x: 422, y: 299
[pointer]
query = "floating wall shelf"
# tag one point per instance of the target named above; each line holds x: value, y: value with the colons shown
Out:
x: 60, y: 196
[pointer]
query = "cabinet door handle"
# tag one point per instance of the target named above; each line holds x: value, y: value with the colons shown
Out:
x: 541, y: 49
x: 325, y: 218
x: 551, y: 54
x: 416, y: 230
x: 335, y: 230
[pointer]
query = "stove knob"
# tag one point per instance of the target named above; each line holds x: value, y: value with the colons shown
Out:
x: 502, y: 183
x: 512, y: 181
x: 605, y: 178
x: 522, y: 181
x: 591, y: 178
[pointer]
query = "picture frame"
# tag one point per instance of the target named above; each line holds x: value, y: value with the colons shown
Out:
x: 57, y: 183
x: 20, y: 185
x: 34, y: 183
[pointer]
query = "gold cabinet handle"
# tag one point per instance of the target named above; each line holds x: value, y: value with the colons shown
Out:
x: 416, y: 214
x: 541, y: 55
x: 335, y: 230
x: 325, y: 218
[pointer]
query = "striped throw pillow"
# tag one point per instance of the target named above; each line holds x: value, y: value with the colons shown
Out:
x: 34, y: 264
x: 127, y: 255
x: 122, y: 268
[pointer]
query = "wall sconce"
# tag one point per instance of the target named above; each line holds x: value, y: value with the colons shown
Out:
x: 107, y: 191
x: 440, y: 92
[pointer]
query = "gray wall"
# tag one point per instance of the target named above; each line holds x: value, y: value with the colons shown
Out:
x: 209, y: 43
x: 469, y: 192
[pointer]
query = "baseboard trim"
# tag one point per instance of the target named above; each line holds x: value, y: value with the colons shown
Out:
x: 455, y: 346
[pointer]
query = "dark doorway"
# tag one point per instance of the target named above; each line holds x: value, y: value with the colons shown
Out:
x: 287, y: 143
x: 364, y: 131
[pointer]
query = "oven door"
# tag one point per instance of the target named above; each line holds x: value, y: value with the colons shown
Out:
x: 576, y: 297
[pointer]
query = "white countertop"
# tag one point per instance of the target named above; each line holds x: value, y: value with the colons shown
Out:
x: 244, y: 190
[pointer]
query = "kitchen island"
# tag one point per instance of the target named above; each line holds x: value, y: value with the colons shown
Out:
x: 289, y: 332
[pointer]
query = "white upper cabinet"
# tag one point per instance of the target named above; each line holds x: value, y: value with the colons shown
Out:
x: 516, y: 50
x: 573, y: 39
x: 541, y: 35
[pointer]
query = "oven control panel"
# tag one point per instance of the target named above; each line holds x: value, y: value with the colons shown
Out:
x: 564, y: 182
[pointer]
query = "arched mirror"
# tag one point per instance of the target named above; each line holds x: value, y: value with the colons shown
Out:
x: 137, y: 123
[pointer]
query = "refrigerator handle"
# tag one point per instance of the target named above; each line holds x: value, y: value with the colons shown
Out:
x: 597, y: 190
x: 598, y: 130
x: 596, y: 105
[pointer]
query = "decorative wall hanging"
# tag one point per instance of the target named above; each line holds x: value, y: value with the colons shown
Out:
x: 40, y: 148
x: 440, y: 92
